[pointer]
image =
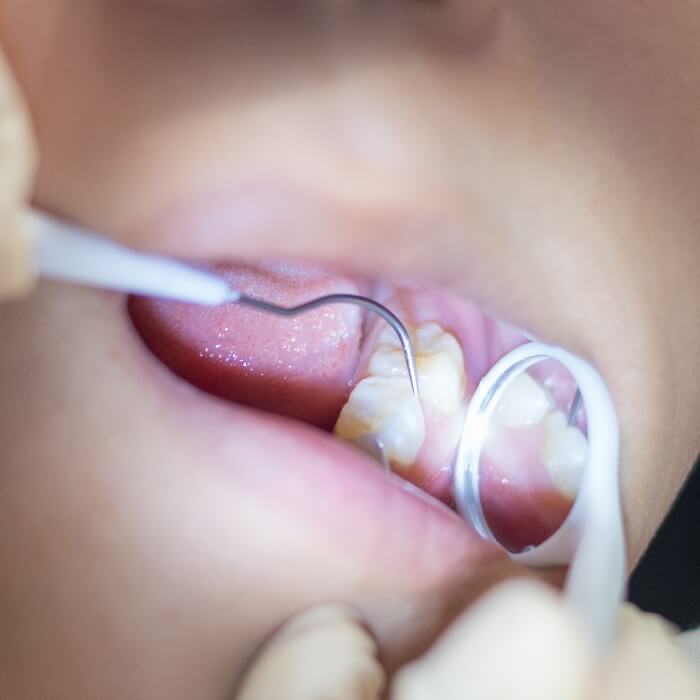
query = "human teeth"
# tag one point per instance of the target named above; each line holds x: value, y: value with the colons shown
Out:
x: 385, y: 409
x: 524, y: 402
x: 439, y: 363
x: 564, y: 454
x: 382, y: 409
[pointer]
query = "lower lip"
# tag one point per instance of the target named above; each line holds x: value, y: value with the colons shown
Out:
x: 332, y: 490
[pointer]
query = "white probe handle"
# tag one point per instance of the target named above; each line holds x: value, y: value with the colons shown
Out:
x: 73, y: 255
x: 595, y: 583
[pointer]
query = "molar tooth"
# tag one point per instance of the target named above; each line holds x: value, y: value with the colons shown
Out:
x: 564, y: 453
x: 387, y: 362
x: 440, y: 383
x: 524, y: 402
x: 428, y: 339
x: 385, y: 409
x: 439, y: 362
x: 431, y: 338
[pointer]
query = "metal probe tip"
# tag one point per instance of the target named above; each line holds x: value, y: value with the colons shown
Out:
x: 235, y: 297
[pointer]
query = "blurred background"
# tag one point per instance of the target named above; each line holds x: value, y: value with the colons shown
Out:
x: 667, y: 579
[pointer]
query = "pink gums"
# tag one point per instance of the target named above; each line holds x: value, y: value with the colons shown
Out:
x: 521, y: 505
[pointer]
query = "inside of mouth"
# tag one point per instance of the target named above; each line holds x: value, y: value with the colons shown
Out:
x: 340, y: 369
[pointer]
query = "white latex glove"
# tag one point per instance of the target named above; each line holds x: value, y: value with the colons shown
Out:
x: 322, y: 654
x: 522, y: 641
x: 16, y: 171
x: 519, y: 642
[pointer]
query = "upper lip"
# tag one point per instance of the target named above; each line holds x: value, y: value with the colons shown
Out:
x: 268, y: 217
x: 274, y: 217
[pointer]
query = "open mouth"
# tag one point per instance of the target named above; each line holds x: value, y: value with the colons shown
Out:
x: 340, y: 369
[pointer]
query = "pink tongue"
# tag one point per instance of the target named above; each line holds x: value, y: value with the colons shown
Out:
x: 298, y: 367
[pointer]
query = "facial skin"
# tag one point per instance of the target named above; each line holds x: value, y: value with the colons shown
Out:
x: 539, y: 157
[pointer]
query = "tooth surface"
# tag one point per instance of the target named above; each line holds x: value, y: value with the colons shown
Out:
x: 524, y: 402
x: 564, y: 453
x: 385, y: 409
x: 439, y: 363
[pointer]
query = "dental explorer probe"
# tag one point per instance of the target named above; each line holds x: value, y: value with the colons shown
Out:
x: 366, y: 302
x: 70, y: 254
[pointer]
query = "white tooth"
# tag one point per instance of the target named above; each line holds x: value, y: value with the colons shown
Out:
x: 387, y: 362
x: 439, y: 362
x: 388, y: 337
x: 524, y: 402
x: 564, y: 453
x: 440, y: 383
x: 427, y: 338
x: 384, y: 408
x: 432, y: 338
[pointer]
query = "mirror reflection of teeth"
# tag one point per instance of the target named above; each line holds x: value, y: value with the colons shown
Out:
x: 382, y: 405
x: 524, y: 402
x: 565, y: 453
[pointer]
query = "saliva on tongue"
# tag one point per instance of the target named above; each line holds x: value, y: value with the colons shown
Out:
x: 301, y: 367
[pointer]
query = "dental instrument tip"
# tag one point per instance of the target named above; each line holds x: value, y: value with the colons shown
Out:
x: 388, y: 316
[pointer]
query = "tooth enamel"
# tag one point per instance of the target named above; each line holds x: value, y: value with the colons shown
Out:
x: 564, y: 453
x: 524, y: 402
x: 384, y: 408
x: 439, y: 362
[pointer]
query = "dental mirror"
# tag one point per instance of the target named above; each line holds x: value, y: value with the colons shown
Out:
x: 527, y: 468
x: 537, y: 471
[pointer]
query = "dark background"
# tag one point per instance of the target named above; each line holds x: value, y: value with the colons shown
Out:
x: 667, y: 579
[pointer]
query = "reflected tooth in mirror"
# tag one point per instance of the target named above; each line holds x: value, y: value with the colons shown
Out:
x: 564, y: 453
x: 524, y: 402
x: 385, y: 409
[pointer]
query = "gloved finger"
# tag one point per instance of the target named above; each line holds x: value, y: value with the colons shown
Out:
x: 17, y: 160
x: 519, y: 641
x: 322, y: 654
x: 647, y: 662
